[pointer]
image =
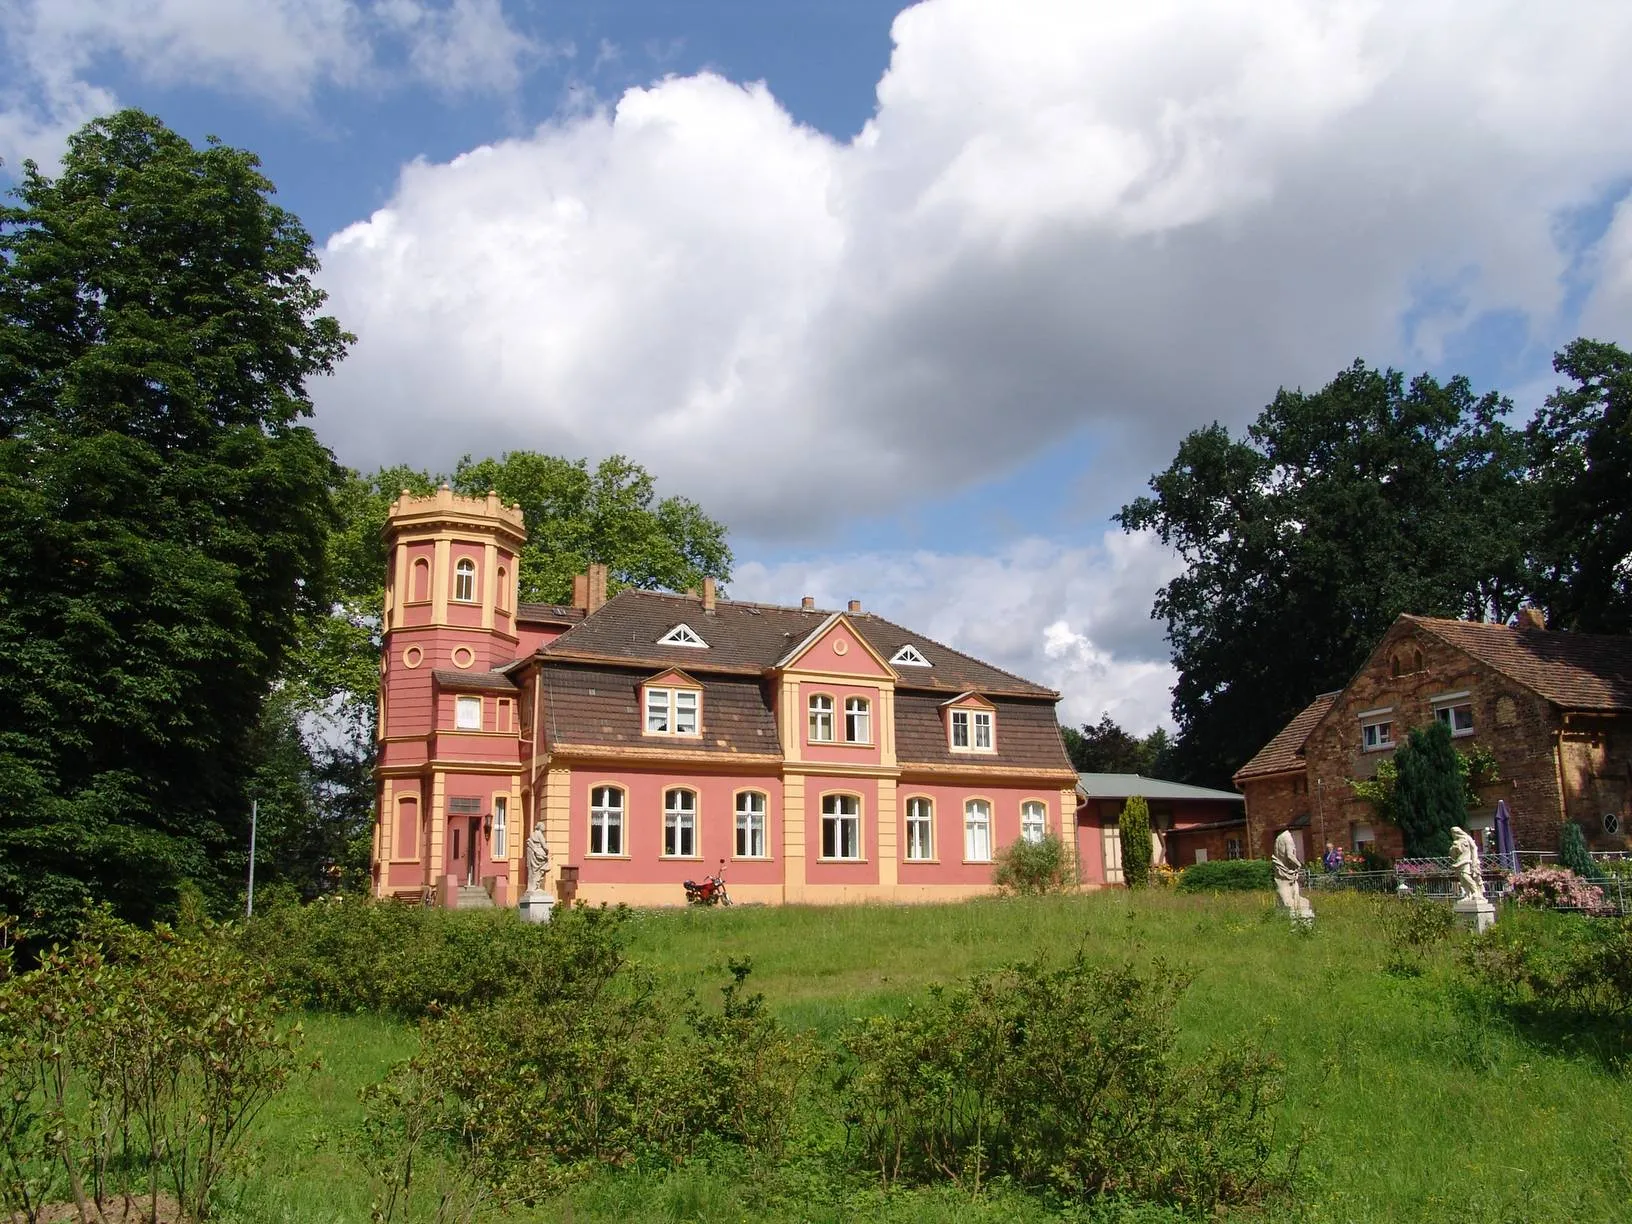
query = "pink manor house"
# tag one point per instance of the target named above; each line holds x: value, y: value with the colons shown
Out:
x: 825, y: 756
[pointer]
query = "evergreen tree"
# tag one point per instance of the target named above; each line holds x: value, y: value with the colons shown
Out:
x: 1429, y: 795
x: 1134, y: 827
x: 163, y: 511
x: 1573, y: 853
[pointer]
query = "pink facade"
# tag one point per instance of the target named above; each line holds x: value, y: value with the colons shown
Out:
x: 653, y: 737
x: 1183, y: 819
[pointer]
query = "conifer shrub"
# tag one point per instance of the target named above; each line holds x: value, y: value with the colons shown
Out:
x: 1032, y: 868
x: 1429, y: 791
x: 1064, y: 1078
x: 1134, y: 827
x: 1227, y: 875
x: 1574, y: 855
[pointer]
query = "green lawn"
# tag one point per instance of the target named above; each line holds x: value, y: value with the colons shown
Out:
x: 1414, y: 1105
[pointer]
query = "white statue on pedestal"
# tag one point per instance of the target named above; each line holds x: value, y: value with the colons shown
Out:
x: 1287, y: 865
x: 1470, y: 884
x: 538, y: 859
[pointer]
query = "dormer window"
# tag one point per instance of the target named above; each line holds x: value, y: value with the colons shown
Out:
x: 672, y: 710
x: 909, y: 656
x: 971, y: 729
x: 682, y: 635
x: 464, y: 581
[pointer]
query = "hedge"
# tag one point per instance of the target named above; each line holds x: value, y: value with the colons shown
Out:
x: 1227, y: 875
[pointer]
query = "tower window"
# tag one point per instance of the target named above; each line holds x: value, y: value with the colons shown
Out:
x: 464, y: 581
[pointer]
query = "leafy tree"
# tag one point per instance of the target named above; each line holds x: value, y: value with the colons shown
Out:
x: 1134, y: 826
x: 1104, y: 747
x: 1303, y: 540
x: 1430, y: 794
x: 1581, y: 447
x: 162, y: 510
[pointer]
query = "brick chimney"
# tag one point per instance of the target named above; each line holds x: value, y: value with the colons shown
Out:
x: 580, y: 591
x: 708, y: 593
x: 1531, y: 618
x: 597, y: 587
x: 855, y: 605
x: 808, y: 603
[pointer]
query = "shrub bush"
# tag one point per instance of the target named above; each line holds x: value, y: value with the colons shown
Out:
x: 1566, y: 966
x: 355, y: 954
x: 1574, y: 855
x: 1411, y: 926
x: 1227, y: 875
x: 1063, y: 1078
x: 1134, y: 831
x: 1554, y: 888
x: 1027, y: 868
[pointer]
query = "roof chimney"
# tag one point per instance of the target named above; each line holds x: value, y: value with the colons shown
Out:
x: 708, y: 593
x: 855, y: 605
x: 597, y: 586
x: 580, y: 592
x: 1531, y: 618
x: 808, y: 603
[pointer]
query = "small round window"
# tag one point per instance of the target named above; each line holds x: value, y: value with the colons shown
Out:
x: 1612, y: 822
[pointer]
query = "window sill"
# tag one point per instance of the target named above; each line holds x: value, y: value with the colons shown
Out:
x: 985, y: 862
x: 1462, y: 734
x: 934, y: 862
x: 673, y: 735
x: 679, y: 858
x: 752, y: 858
x: 973, y: 751
x: 841, y: 860
x: 623, y: 858
x: 1379, y: 748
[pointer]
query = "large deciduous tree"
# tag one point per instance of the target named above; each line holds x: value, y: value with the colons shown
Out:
x: 1303, y: 540
x: 1104, y: 747
x: 162, y: 510
x: 1581, y: 452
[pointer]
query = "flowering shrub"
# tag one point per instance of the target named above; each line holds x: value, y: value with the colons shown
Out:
x: 1164, y: 875
x: 1555, y: 888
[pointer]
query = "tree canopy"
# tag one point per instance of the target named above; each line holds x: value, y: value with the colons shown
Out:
x: 163, y: 511
x: 1104, y: 747
x: 1303, y: 540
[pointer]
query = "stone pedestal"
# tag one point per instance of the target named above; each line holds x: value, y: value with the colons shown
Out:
x: 1299, y: 911
x: 1476, y: 912
x: 536, y: 906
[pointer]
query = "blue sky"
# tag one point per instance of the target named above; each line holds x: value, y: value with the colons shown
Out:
x: 919, y: 312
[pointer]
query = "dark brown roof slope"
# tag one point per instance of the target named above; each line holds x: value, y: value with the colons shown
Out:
x: 749, y: 637
x: 549, y: 614
x: 487, y: 681
x: 1027, y: 734
x: 1575, y: 671
x: 600, y: 706
x: 1285, y: 752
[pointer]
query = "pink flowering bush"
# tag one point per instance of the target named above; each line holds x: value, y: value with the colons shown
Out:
x: 1555, y: 888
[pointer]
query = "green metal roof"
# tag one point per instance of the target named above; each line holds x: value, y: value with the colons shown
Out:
x: 1121, y: 786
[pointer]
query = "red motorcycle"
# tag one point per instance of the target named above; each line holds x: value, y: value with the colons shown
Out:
x: 710, y: 890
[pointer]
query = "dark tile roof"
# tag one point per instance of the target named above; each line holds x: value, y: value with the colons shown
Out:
x: 1027, y: 734
x: 1574, y: 671
x: 486, y: 681
x: 1285, y: 751
x: 748, y: 638
x: 600, y: 706
x: 548, y: 614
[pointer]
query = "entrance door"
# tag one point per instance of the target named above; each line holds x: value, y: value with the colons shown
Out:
x: 472, y: 857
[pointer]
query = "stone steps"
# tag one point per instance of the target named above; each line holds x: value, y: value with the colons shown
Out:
x: 472, y: 896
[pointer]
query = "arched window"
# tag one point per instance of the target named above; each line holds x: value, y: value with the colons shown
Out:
x: 1033, y: 821
x: 606, y: 820
x: 679, y: 823
x: 419, y: 590
x: 751, y: 839
x: 858, y: 720
x: 464, y: 581
x: 920, y: 828
x: 821, y: 719
x: 407, y: 844
x: 977, y: 831
x: 841, y: 827
x: 1394, y: 666
x: 504, y: 589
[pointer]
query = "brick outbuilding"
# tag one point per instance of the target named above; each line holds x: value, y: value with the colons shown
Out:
x: 1554, y: 711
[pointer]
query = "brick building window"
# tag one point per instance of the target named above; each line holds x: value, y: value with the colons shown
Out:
x: 1232, y: 847
x: 1456, y: 712
x: 1376, y: 730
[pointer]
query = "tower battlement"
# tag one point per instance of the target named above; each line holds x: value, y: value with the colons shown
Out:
x: 449, y: 510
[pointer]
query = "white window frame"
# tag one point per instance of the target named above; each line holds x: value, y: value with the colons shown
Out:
x: 977, y: 830
x: 683, y: 635
x: 976, y: 729
x: 910, y: 656
x: 501, y: 827
x: 1445, y: 711
x: 467, y: 713
x: 819, y: 723
x: 920, y: 840
x: 1033, y: 820
x: 752, y: 828
x: 464, y: 581
x: 680, y: 831
x: 1232, y: 848
x: 858, y: 720
x: 606, y: 810
x: 842, y: 812
x: 1376, y: 743
x: 679, y: 709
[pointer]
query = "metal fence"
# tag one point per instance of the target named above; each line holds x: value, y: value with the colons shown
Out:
x: 1434, y: 879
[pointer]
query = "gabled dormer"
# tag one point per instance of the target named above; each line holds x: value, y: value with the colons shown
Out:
x: 671, y: 706
x: 683, y: 635
x: 835, y: 648
x: 970, y: 722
